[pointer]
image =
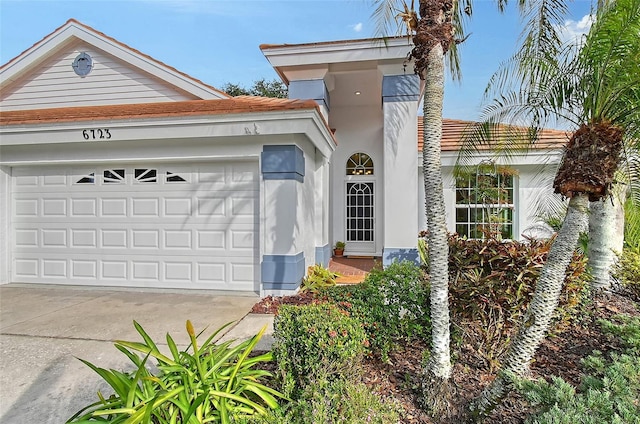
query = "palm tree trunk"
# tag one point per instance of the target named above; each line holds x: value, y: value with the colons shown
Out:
x: 439, y: 365
x: 544, y: 302
x: 606, y: 237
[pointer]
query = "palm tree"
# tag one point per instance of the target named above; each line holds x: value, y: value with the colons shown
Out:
x: 433, y: 30
x: 436, y: 29
x: 594, y: 86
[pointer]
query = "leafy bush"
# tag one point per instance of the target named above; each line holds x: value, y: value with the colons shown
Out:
x: 608, y: 393
x: 318, y: 278
x: 627, y: 271
x: 492, y: 282
x: 213, y: 383
x: 406, y: 298
x: 338, y: 401
x: 625, y: 328
x: 608, y: 396
x: 315, y: 343
x: 391, y: 304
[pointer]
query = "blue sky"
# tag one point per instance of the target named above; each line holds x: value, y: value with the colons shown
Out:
x: 217, y: 41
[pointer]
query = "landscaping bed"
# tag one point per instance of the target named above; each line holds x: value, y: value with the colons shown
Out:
x: 559, y: 355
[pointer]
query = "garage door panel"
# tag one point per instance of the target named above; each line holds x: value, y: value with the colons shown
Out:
x: 84, y: 208
x: 26, y: 208
x: 193, y: 226
x: 168, y: 240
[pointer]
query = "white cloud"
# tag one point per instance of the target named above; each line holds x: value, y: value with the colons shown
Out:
x: 574, y: 30
x: 357, y: 27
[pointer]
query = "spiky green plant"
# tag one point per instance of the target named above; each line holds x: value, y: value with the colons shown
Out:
x: 204, y: 383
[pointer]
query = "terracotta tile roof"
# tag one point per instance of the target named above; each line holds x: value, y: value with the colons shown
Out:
x: 453, y: 131
x: 113, y: 40
x: 236, y: 105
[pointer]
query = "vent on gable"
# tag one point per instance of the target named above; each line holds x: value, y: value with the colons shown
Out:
x: 83, y: 64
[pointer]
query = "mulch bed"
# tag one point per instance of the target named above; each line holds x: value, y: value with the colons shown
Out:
x: 559, y: 355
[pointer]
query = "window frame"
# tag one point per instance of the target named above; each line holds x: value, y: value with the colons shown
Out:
x: 359, y: 164
x: 490, y: 213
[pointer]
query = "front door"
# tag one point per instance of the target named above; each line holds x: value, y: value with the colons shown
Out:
x: 360, y: 218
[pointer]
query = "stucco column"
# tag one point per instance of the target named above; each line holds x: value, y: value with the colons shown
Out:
x: 283, y: 261
x: 314, y: 89
x: 322, y: 208
x: 400, y: 96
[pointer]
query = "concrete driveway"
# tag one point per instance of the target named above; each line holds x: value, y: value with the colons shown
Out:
x: 44, y: 329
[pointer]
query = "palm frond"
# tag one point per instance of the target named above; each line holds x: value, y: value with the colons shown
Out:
x: 610, y: 60
x: 543, y: 20
x: 384, y: 16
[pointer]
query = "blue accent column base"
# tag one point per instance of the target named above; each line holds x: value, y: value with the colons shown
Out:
x: 391, y: 255
x: 282, y: 272
x: 323, y: 254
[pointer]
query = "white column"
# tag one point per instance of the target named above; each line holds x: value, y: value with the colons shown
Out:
x: 283, y: 255
x: 400, y: 96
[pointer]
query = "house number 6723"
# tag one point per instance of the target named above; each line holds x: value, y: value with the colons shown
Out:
x: 96, y: 134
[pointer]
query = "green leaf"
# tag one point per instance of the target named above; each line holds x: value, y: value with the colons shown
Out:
x: 173, y: 348
x: 140, y: 347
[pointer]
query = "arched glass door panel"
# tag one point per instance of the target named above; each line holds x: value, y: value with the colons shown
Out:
x: 360, y: 213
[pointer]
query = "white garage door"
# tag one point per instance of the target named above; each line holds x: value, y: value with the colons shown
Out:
x: 143, y: 225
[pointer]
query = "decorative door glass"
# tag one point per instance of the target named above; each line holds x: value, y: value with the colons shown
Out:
x: 360, y: 212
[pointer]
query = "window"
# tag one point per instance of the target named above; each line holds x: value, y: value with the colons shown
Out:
x: 360, y: 164
x: 485, y: 203
x: 145, y: 175
x: 113, y: 176
x: 87, y: 179
x: 174, y: 178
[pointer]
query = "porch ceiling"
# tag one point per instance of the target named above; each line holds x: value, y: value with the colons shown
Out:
x: 347, y: 83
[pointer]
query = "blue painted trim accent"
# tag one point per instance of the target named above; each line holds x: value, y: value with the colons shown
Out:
x: 284, y: 176
x: 323, y: 254
x: 400, y: 88
x: 310, y: 89
x: 283, y: 162
x: 282, y: 272
x: 390, y: 255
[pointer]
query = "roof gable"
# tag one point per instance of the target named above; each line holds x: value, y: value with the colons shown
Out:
x: 47, y: 64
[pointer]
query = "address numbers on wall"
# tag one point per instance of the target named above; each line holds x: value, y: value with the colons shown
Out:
x: 96, y: 134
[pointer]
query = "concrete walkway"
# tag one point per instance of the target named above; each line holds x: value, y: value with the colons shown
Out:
x: 44, y: 329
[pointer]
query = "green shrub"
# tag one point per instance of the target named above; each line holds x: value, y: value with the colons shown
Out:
x: 313, y: 343
x: 318, y: 278
x: 391, y: 304
x: 406, y: 298
x: 338, y: 401
x: 627, y: 271
x: 492, y: 282
x: 609, y: 391
x: 625, y: 328
x: 213, y: 383
x: 609, y: 395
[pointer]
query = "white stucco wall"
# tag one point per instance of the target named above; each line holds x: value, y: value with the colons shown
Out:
x: 306, y: 217
x: 532, y: 185
x: 358, y: 129
x: 400, y: 182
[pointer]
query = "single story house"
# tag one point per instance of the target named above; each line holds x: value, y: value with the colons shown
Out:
x: 119, y: 170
